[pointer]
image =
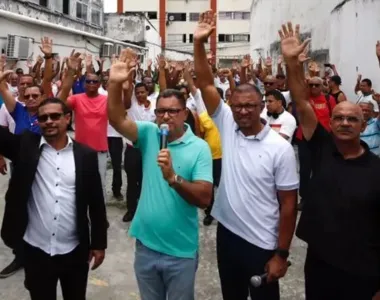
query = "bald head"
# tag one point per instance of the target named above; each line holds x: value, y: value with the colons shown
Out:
x: 316, y: 80
x: 348, y: 107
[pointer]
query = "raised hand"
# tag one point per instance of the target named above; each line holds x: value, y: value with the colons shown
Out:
x: 246, y: 62
x: 161, y: 61
x: 88, y: 60
x: 179, y: 66
x: 46, y: 46
x: 120, y: 71
x: 280, y: 60
x: 3, y: 74
x: 74, y: 60
x: 40, y: 60
x: 29, y: 62
x: 291, y: 45
x: 149, y: 64
x: 359, y: 78
x: 205, y: 27
x: 131, y: 58
x: 268, y: 62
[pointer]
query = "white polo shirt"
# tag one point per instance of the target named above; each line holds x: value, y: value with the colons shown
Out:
x: 285, y: 123
x: 367, y: 99
x: 254, y: 168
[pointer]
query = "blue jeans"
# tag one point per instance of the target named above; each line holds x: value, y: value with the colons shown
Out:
x: 164, y: 277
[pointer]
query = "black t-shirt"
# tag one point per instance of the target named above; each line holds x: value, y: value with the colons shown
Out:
x: 340, y: 220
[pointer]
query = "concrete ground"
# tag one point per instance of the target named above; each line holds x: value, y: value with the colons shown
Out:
x: 115, y: 279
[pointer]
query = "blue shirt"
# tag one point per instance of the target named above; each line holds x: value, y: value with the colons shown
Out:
x: 23, y: 120
x: 371, y: 135
x: 78, y: 85
x: 164, y: 221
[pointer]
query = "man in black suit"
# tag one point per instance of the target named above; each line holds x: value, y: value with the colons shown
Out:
x: 55, y: 186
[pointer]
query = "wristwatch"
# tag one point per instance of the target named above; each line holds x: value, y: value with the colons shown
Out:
x: 283, y: 253
x: 177, y: 180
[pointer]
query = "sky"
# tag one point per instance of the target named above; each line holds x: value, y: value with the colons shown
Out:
x: 110, y: 6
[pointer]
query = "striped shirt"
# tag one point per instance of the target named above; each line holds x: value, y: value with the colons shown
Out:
x: 371, y: 135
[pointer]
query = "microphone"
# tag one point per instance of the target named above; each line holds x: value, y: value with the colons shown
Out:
x: 164, y: 132
x: 259, y: 280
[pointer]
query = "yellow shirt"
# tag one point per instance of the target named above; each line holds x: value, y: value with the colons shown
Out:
x: 211, y: 134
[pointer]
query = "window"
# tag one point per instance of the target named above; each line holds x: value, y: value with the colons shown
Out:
x: 241, y: 38
x: 152, y: 15
x: 66, y: 7
x: 194, y: 17
x: 82, y: 11
x: 225, y: 15
x: 95, y: 16
x: 246, y: 15
x: 175, y: 38
x: 238, y: 15
x: 191, y: 38
x: 44, y: 3
x: 227, y: 38
x: 177, y: 17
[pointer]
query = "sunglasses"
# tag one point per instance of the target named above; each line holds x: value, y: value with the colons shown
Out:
x: 88, y: 81
x: 34, y: 96
x: 268, y: 83
x: 314, y: 85
x: 172, y: 112
x: 52, y: 116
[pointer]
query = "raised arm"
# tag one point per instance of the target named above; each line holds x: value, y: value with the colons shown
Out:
x: 9, y: 100
x: 378, y: 51
x: 119, y: 73
x: 205, y: 80
x: 47, y: 49
x: 294, y: 55
x: 131, y: 58
x: 161, y: 61
x: 73, y: 63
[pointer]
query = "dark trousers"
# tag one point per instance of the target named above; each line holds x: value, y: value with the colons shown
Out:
x: 18, y: 251
x: 238, y: 261
x: 115, y: 148
x: 304, y: 156
x: 216, y: 172
x: 43, y: 271
x: 133, y: 168
x: 325, y: 282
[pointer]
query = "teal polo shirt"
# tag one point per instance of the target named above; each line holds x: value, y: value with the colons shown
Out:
x: 164, y: 221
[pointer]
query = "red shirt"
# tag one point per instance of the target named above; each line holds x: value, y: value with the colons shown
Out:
x: 322, y: 112
x: 91, y: 120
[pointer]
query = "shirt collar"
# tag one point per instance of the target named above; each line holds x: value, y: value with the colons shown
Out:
x: 260, y: 136
x: 185, y: 138
x: 370, y: 121
x: 44, y: 142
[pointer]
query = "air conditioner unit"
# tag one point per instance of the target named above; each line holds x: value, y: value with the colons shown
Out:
x: 18, y: 47
x: 118, y: 49
x: 107, y: 50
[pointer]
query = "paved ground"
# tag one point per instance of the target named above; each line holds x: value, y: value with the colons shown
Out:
x: 115, y: 279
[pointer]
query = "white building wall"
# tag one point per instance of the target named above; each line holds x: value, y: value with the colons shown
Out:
x: 64, y: 42
x: 349, y: 33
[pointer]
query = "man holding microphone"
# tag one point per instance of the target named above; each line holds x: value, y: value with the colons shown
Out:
x: 176, y: 181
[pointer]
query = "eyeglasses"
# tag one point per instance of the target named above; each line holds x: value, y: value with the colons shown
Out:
x: 89, y: 81
x: 268, y: 83
x: 314, y: 85
x: 52, y: 116
x: 172, y: 112
x: 349, y: 119
x: 34, y: 96
x: 248, y: 107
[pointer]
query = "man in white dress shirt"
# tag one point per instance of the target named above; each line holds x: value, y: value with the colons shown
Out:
x: 61, y: 195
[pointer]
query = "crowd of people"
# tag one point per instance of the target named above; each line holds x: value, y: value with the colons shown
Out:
x: 232, y: 130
